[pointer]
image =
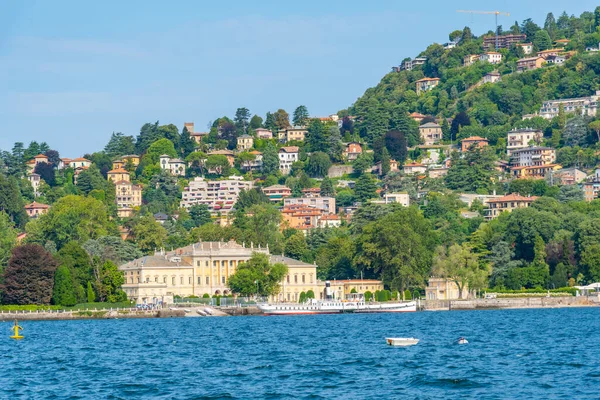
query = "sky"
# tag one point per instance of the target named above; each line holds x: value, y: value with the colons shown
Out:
x: 73, y: 72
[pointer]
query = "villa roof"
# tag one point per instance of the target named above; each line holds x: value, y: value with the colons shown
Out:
x: 290, y: 262
x: 289, y: 149
x: 118, y: 171
x: 81, y: 159
x: 428, y: 79
x: 474, y: 139
x: 37, y: 205
x: 430, y: 125
x: 513, y: 197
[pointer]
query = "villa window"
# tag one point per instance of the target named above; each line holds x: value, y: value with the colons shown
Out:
x: 190, y: 280
x: 207, y: 280
x: 295, y: 278
x: 303, y: 279
x: 199, y: 280
x: 223, y: 280
x: 288, y: 280
x: 181, y: 280
x: 173, y: 281
x: 164, y: 279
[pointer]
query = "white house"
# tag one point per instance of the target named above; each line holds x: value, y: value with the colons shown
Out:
x: 174, y: 165
x: 287, y: 156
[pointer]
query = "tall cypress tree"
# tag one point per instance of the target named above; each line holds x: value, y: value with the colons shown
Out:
x: 63, y: 292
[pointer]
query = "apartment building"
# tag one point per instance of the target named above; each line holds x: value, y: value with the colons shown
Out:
x: 581, y: 105
x: 220, y: 196
x: 426, y: 84
x: 245, y: 142
x: 326, y: 204
x: 532, y: 156
x: 529, y: 63
x: 292, y: 133
x: 277, y: 193
x: 504, y: 41
x: 522, y: 138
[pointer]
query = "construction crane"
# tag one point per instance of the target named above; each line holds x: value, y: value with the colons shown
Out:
x: 496, y: 13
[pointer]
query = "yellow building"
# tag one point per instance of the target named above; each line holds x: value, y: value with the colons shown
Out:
x: 245, y: 142
x: 127, y: 196
x: 204, y: 268
x: 507, y: 203
x: 117, y: 175
x: 426, y: 84
x: 301, y: 277
x: 444, y: 289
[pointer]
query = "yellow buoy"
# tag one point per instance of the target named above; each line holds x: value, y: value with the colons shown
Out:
x: 15, y: 329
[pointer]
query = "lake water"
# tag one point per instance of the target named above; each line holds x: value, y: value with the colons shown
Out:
x: 541, y: 354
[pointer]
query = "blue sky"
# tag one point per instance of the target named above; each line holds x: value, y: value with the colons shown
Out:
x: 72, y: 72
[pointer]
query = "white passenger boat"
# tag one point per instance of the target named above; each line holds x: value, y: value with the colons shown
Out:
x: 403, y: 342
x: 336, y: 307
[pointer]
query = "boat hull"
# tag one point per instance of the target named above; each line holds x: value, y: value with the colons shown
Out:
x: 336, y: 308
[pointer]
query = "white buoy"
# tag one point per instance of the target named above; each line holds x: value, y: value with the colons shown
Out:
x: 462, y: 340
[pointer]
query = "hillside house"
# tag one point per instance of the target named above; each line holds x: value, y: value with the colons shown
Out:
x: 175, y: 166
x: 530, y: 63
x: 478, y: 141
x: 431, y: 133
x: 492, y: 57
x: 426, y: 84
x: 507, y: 203
x: 352, y: 151
x: 287, y: 156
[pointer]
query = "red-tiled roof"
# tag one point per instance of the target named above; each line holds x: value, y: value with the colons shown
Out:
x: 513, y: 197
x: 474, y: 139
x: 36, y: 205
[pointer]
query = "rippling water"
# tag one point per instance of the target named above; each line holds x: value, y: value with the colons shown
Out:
x: 540, y: 354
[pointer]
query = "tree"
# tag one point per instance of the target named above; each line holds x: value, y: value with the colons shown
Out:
x: 257, y: 276
x: 119, y: 145
x: 318, y: 165
x: 473, y: 172
x: 335, y: 147
x: 262, y: 227
x: 570, y: 193
x: 73, y: 218
x: 300, y: 116
x: 77, y: 260
x: 249, y: 198
x: 398, y: 248
x: 461, y: 119
x: 11, y: 201
x: 459, y: 264
x: 575, y: 132
x: 8, y: 239
x: 200, y: 214
x: 53, y: 157
x: 109, y: 283
x: 550, y: 26
x: 395, y: 143
x: 148, y: 134
x: 91, y: 179
x: 595, y: 126
x: 29, y: 276
x: 149, y: 234
x: 256, y: 122
x: 112, y: 248
x: 529, y: 28
x: 385, y: 162
x: 466, y: 35
x: 270, y: 122
x: 455, y: 36
x: 90, y: 294
x: 63, y: 292
x: 316, y: 137
x: 542, y: 40
x: 187, y: 144
x: 270, y: 160
x: 296, y: 247
x: 366, y: 188
x: 281, y: 119
x: 241, y: 119
x: 160, y: 147
x: 327, y: 188
x: 363, y: 163
x: 590, y: 260
x: 347, y: 125
x: 218, y: 163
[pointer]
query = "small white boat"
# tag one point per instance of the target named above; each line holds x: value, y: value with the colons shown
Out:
x: 202, y: 313
x: 187, y: 310
x: 403, y: 342
x: 209, y: 311
x: 462, y: 340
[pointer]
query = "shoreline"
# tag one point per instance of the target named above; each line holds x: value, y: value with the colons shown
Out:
x: 191, y: 312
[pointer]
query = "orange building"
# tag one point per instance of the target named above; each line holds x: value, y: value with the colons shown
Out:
x: 36, y: 209
x: 473, y: 140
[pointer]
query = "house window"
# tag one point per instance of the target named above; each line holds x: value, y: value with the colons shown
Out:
x: 190, y: 280
x: 207, y: 280
x: 199, y: 280
x: 223, y: 280
x: 303, y: 279
x: 173, y: 280
x: 295, y: 278
x: 164, y: 279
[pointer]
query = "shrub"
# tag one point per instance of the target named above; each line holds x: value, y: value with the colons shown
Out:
x: 310, y: 294
x: 368, y: 295
x: 206, y: 296
x: 353, y: 290
x: 302, y: 297
x: 407, y: 295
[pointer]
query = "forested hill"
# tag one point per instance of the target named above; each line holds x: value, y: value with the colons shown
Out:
x: 492, y: 108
